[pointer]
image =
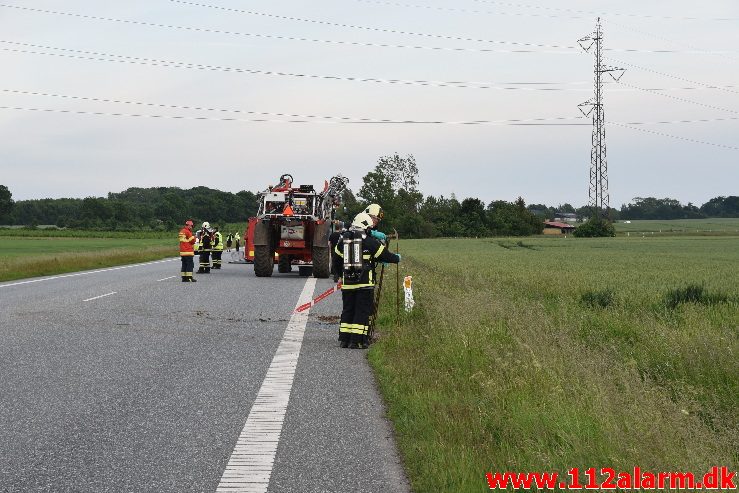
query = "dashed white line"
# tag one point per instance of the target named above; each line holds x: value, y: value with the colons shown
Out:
x: 170, y: 277
x: 250, y: 466
x: 101, y: 296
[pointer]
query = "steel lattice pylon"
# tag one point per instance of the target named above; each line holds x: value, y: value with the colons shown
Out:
x: 598, y: 199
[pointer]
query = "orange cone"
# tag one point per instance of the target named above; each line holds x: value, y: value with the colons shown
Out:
x: 288, y: 211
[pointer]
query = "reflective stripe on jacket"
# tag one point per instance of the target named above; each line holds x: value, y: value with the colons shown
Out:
x: 187, y: 240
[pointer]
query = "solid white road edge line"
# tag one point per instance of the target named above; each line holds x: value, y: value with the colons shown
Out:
x: 85, y: 273
x: 170, y: 277
x: 250, y: 466
x: 101, y: 296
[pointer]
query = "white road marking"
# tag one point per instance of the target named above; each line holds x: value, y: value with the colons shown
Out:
x: 170, y: 277
x: 250, y: 466
x: 101, y: 296
x: 85, y: 273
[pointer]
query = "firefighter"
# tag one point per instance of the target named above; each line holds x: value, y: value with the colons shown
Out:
x: 237, y: 239
x: 360, y: 252
x: 187, y: 254
x: 333, y: 240
x: 205, y: 248
x: 217, y: 248
x: 229, y: 242
x: 376, y: 213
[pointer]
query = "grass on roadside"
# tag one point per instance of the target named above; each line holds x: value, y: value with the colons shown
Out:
x: 561, y: 354
x: 45, y: 265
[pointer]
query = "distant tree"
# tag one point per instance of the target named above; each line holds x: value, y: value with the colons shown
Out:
x: 721, y: 207
x: 6, y: 202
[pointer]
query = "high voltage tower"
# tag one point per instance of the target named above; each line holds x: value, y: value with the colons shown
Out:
x: 598, y: 192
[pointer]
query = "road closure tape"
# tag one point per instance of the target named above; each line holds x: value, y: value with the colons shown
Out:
x: 318, y: 298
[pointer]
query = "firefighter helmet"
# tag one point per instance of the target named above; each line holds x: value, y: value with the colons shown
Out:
x: 206, y: 225
x: 362, y: 221
x: 375, y: 210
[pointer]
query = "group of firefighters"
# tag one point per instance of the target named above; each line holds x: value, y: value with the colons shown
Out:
x: 356, y: 251
x: 206, y: 242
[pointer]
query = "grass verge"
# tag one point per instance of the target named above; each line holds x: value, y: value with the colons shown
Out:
x: 511, y: 363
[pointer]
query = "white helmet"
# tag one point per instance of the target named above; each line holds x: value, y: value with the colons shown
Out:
x: 206, y: 225
x: 374, y: 210
x: 362, y: 221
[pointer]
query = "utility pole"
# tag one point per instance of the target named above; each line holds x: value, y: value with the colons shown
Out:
x: 598, y: 192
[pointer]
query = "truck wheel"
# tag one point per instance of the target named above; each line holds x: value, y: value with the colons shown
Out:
x: 264, y: 261
x: 321, y: 262
x: 283, y: 265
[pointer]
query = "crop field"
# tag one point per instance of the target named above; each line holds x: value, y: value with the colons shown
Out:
x: 29, y: 256
x: 545, y: 354
x: 715, y: 226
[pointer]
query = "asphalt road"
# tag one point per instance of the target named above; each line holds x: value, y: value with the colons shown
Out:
x: 127, y: 379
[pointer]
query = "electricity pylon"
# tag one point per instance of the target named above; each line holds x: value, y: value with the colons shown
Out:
x: 598, y: 193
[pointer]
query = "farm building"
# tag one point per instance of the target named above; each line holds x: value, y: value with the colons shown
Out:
x: 557, y: 228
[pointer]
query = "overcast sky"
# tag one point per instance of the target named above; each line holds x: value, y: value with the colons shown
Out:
x: 291, y: 64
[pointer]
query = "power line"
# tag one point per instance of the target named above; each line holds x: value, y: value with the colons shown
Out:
x: 677, y: 98
x: 307, y: 119
x: 586, y: 14
x: 695, y: 141
x: 600, y: 13
x: 411, y: 33
x: 338, y: 118
x: 293, y: 38
x: 98, y: 56
x: 710, y: 86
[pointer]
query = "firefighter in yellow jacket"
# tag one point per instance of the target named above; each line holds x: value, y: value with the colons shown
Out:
x: 359, y: 253
x: 217, y: 248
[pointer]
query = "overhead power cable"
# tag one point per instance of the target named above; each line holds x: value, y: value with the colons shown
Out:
x: 583, y: 15
x: 310, y: 119
x: 601, y: 13
x: 106, y: 57
x: 677, y: 98
x: 428, y: 35
x: 695, y: 49
x: 695, y: 141
x: 294, y: 38
x: 710, y: 86
x: 338, y: 119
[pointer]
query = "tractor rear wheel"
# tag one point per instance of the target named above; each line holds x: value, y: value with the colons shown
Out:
x: 283, y: 264
x: 321, y: 262
x: 264, y: 261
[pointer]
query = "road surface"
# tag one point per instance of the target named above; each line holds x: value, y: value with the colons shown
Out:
x: 126, y: 379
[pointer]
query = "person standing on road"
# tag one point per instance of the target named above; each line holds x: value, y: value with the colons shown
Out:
x: 217, y: 248
x: 229, y: 242
x: 238, y: 240
x: 205, y: 247
x: 187, y: 253
x: 360, y: 252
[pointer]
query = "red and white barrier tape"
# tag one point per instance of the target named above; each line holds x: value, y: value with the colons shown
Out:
x: 318, y: 298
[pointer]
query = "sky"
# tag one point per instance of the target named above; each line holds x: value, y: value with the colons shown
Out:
x: 230, y: 94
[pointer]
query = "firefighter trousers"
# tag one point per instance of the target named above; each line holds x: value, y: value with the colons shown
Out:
x: 217, y: 258
x: 355, y: 315
x: 204, y: 262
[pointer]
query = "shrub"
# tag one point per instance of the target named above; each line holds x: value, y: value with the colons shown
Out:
x: 693, y: 293
x: 594, y: 228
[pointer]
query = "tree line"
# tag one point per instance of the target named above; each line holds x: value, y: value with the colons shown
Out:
x: 393, y: 183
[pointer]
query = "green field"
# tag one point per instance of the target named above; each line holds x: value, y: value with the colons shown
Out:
x: 715, y: 226
x: 32, y: 256
x: 551, y: 353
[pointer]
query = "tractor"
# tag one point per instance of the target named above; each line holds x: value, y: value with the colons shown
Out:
x: 292, y: 226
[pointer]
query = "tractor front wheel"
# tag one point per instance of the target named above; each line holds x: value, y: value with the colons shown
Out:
x: 283, y: 265
x: 264, y: 261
